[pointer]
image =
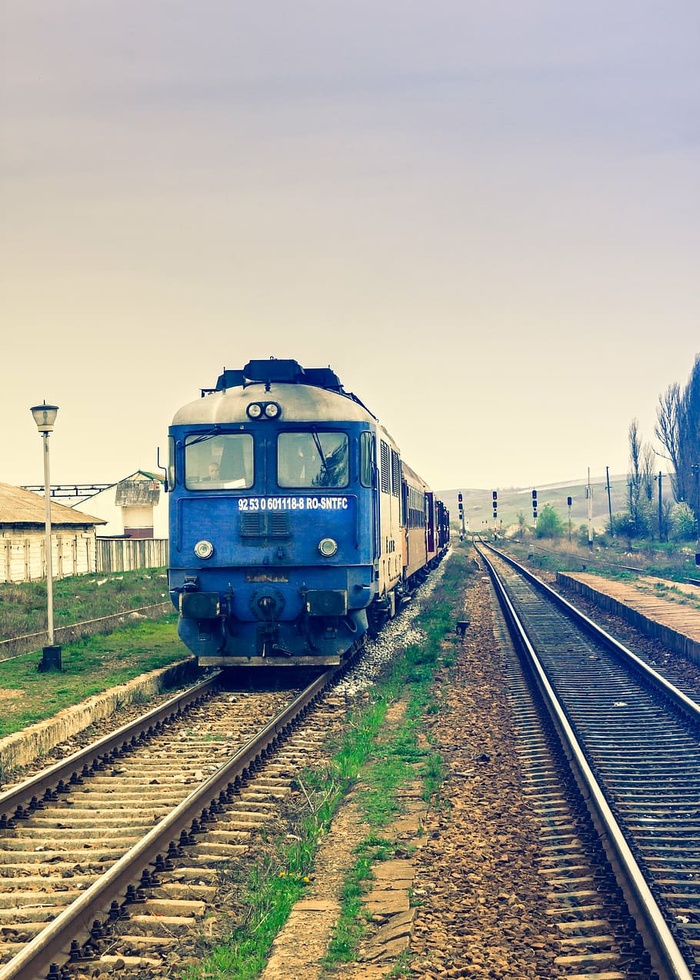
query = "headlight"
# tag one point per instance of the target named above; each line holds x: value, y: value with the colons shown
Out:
x: 264, y: 410
x: 327, y: 547
x: 204, y: 549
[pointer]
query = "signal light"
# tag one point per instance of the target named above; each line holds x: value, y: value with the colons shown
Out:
x: 534, y: 503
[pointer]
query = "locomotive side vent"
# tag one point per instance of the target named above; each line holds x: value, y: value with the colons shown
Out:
x: 272, y: 525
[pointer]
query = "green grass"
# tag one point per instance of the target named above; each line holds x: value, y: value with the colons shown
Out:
x: 399, y: 755
x: 77, y: 598
x: 608, y: 557
x: 268, y: 896
x: 352, y: 921
x: 90, y: 666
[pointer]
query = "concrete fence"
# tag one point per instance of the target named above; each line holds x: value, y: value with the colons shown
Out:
x: 128, y: 554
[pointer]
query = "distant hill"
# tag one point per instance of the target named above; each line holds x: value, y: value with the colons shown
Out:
x: 478, y: 512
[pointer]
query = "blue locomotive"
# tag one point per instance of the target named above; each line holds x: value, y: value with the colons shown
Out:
x: 294, y: 526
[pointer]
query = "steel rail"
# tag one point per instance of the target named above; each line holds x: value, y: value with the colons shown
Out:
x: 666, y: 957
x: 686, y: 704
x: 75, y: 922
x: 28, y: 794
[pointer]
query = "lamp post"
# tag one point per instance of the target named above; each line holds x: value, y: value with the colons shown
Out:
x: 45, y: 416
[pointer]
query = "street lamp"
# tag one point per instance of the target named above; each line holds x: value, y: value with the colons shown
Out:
x: 45, y: 416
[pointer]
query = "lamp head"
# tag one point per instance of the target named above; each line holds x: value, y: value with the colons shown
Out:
x: 44, y: 416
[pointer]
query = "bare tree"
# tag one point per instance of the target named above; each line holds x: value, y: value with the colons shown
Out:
x: 634, y: 477
x: 689, y: 440
x: 678, y: 431
x: 667, y: 424
x: 647, y: 464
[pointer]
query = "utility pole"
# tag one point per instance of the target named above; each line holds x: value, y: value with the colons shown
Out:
x: 661, y: 512
x: 607, y: 487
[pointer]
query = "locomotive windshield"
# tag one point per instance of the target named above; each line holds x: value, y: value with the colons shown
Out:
x: 224, y: 460
x: 312, y: 459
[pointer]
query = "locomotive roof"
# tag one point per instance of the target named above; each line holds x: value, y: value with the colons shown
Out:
x: 413, y: 477
x: 279, y: 369
x: 299, y: 403
x: 283, y: 370
x: 305, y: 395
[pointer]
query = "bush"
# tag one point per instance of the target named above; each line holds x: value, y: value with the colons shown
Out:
x: 683, y: 525
x: 549, y: 524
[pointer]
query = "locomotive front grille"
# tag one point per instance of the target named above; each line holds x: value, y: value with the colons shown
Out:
x: 265, y: 525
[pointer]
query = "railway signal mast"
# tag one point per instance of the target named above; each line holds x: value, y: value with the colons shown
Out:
x: 589, y: 496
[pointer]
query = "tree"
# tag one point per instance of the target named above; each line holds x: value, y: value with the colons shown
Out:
x: 549, y: 523
x: 639, y: 483
x: 678, y: 430
x: 647, y: 462
x: 667, y: 430
x: 522, y: 524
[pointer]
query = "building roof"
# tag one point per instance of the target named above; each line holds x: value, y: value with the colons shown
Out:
x: 139, y: 489
x: 18, y: 506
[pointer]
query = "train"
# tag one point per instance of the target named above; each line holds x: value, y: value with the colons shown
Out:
x: 295, y: 526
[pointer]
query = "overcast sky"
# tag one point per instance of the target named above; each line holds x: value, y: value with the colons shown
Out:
x: 484, y: 216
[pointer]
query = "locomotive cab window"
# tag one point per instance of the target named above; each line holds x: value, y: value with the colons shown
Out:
x: 312, y: 459
x: 219, y: 462
x: 367, y: 459
x: 171, y: 461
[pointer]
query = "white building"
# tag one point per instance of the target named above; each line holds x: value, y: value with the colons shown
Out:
x: 23, y: 537
x: 135, y: 507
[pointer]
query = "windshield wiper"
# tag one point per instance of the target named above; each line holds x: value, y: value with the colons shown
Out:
x: 324, y: 463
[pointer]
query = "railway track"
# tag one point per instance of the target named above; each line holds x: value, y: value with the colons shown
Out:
x: 634, y: 744
x: 85, y: 845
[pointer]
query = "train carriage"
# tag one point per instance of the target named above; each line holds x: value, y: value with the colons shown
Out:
x: 286, y: 518
x: 416, y: 522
